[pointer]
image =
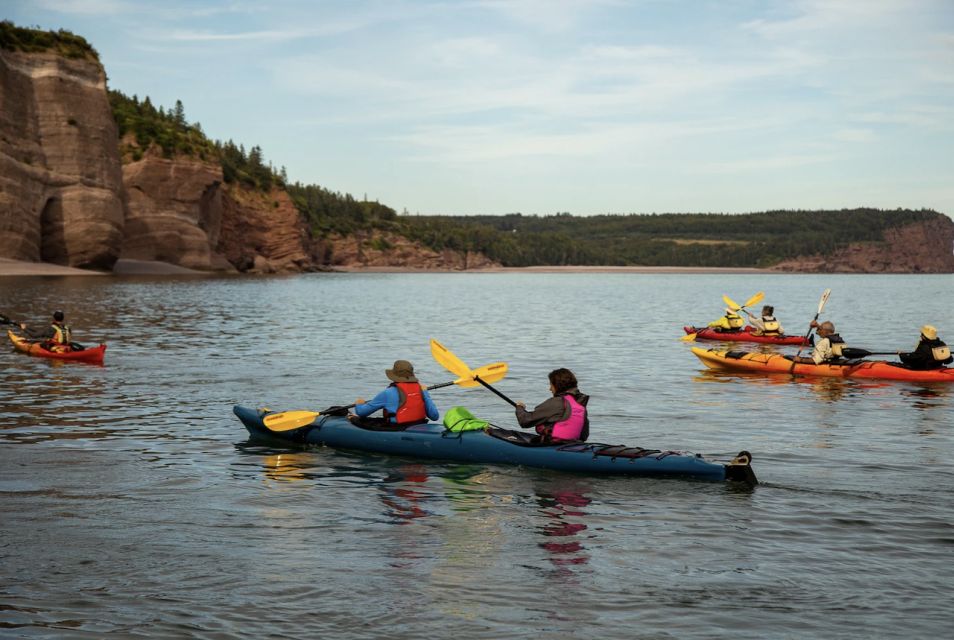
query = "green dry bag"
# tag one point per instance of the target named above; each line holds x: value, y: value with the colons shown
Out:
x: 460, y: 419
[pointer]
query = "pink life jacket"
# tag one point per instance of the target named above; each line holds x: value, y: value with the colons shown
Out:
x: 572, y: 427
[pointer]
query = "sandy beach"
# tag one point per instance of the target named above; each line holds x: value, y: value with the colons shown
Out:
x: 146, y: 267
x: 122, y: 268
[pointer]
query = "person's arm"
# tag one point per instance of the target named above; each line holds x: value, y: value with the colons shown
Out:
x: 39, y: 334
x: 550, y: 410
x: 379, y: 401
x: 432, y: 412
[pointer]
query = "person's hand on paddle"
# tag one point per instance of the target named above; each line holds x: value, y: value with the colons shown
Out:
x: 360, y: 401
x: 521, y: 405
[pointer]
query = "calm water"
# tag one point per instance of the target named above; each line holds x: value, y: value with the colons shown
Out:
x: 133, y: 504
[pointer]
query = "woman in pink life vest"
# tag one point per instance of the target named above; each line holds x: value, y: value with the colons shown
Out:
x: 562, y: 417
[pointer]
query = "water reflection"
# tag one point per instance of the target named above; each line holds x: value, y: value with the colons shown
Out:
x: 564, y: 510
x: 401, y: 498
x: 287, y: 467
x: 927, y: 398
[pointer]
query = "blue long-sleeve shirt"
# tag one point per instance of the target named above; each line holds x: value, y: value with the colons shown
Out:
x: 390, y: 399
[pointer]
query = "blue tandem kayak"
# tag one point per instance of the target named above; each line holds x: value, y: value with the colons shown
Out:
x: 500, y: 446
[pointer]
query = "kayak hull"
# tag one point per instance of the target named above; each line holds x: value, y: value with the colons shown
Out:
x: 774, y: 363
x: 432, y: 441
x: 93, y: 355
x: 745, y: 335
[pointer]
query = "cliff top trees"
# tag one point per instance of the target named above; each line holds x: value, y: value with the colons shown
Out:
x: 62, y: 42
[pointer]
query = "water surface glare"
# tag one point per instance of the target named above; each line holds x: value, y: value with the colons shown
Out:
x: 134, y: 505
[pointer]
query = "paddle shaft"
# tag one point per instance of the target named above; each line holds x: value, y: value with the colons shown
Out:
x: 854, y: 352
x: 821, y: 305
x: 477, y: 378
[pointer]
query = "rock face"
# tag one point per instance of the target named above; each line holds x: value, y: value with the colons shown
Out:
x: 60, y: 172
x: 173, y: 212
x: 377, y: 249
x: 263, y: 232
x: 924, y: 247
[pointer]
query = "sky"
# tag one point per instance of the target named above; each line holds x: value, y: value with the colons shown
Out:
x: 547, y: 106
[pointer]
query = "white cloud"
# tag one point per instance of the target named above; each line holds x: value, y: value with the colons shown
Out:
x: 87, y: 7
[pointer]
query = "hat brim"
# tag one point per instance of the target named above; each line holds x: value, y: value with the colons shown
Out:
x: 395, y: 377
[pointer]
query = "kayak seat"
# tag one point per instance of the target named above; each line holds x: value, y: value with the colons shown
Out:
x: 518, y: 438
x: 381, y: 424
x: 611, y: 450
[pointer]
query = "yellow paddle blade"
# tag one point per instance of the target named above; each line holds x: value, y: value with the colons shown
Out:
x: 729, y: 302
x: 689, y: 337
x: 757, y: 298
x: 288, y: 420
x: 448, y: 360
x: 489, y: 373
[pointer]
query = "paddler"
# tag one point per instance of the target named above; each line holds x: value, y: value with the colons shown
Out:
x: 930, y: 353
x: 767, y: 325
x: 404, y: 402
x: 730, y: 322
x: 562, y: 417
x: 827, y: 350
x: 57, y: 337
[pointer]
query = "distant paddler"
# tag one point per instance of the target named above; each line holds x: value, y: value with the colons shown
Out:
x: 731, y: 322
x: 767, y: 325
x: 930, y: 352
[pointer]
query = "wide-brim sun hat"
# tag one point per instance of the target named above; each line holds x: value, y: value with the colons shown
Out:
x: 402, y: 371
x: 929, y: 332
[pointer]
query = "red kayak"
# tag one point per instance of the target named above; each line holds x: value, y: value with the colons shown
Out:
x: 743, y: 335
x: 93, y: 355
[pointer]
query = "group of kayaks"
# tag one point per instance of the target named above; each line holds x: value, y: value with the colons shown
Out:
x: 773, y: 363
x: 495, y: 445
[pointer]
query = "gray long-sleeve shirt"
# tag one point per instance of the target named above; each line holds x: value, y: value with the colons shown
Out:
x: 550, y: 411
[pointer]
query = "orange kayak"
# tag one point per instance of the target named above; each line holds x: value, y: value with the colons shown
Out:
x: 774, y: 363
x: 94, y: 355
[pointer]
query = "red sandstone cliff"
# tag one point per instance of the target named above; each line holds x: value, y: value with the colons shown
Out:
x: 60, y: 173
x: 924, y: 247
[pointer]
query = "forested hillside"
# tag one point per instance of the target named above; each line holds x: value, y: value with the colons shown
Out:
x: 745, y: 240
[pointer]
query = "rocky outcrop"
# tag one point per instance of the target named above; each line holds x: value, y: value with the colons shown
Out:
x: 60, y: 172
x: 379, y: 249
x: 263, y: 232
x: 923, y: 247
x: 173, y: 212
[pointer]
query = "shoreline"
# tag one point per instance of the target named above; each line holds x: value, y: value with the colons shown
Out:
x: 564, y: 269
x: 154, y: 268
x: 145, y: 267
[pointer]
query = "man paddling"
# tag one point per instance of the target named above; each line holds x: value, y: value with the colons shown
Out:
x: 828, y: 350
x: 57, y: 337
x: 404, y: 402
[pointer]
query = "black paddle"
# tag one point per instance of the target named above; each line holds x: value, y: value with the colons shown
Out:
x: 852, y: 352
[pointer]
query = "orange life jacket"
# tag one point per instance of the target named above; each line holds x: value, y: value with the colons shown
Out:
x: 411, y: 409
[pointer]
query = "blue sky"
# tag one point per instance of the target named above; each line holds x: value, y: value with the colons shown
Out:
x: 592, y: 106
